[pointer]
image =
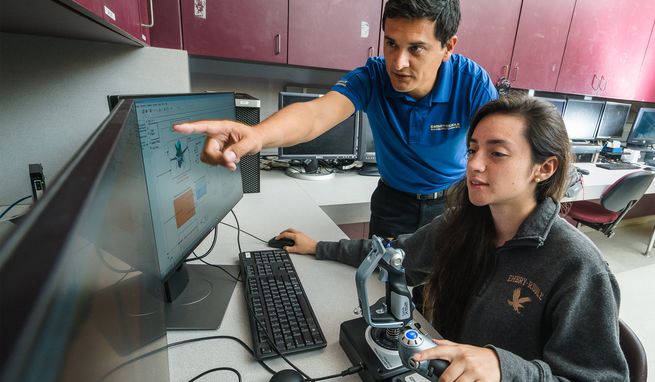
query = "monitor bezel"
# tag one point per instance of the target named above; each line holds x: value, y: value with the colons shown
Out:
x: 364, y: 137
x: 602, y: 118
x: 640, y: 142
x: 354, y: 155
x: 562, y: 100
x: 588, y: 102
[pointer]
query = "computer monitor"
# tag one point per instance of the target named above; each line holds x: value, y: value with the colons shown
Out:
x: 366, y: 148
x: 581, y: 118
x: 559, y: 103
x: 188, y: 198
x: 339, y: 142
x: 613, y: 120
x: 643, y: 130
x: 64, y: 300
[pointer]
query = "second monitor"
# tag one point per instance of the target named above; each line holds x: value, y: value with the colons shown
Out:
x: 340, y: 142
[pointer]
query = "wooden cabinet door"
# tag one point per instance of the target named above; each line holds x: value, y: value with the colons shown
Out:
x: 95, y: 6
x: 334, y: 34
x: 646, y: 81
x: 124, y: 14
x: 606, y: 46
x: 245, y: 29
x: 167, y: 30
x: 540, y: 42
x: 486, y: 33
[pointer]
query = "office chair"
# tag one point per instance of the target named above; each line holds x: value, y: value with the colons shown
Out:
x: 634, y: 353
x: 615, y: 202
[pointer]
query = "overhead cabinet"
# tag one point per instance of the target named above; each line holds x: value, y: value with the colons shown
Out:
x: 646, y: 81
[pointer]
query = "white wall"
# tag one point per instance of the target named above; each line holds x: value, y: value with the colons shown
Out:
x: 53, y: 96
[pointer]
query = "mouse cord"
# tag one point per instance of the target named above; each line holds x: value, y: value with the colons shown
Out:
x: 246, y: 232
x: 243, y: 344
x: 351, y: 370
x: 216, y: 369
x: 208, y: 251
x: 238, y: 230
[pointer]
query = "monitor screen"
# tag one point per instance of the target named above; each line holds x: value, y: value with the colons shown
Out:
x: 366, y: 142
x: 66, y: 301
x: 613, y: 120
x: 339, y: 142
x: 560, y: 104
x: 581, y: 118
x: 643, y: 130
x: 188, y: 198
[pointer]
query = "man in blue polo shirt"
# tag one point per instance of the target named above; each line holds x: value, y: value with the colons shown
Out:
x: 419, y: 100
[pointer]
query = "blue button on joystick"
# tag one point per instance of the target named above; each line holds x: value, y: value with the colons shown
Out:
x: 411, y: 334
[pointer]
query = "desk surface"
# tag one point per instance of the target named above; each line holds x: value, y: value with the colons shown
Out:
x: 287, y: 202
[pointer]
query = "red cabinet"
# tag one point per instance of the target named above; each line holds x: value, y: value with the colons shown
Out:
x: 605, y: 48
x: 95, y: 6
x: 124, y: 14
x: 245, y: 29
x: 486, y: 33
x: 167, y: 29
x: 646, y: 81
x: 334, y: 34
x: 540, y: 42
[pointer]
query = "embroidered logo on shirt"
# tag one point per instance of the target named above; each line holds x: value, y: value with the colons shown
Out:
x: 517, y: 301
x: 342, y: 83
x: 447, y: 126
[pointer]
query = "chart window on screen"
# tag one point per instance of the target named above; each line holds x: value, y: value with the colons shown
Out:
x: 581, y: 118
x: 340, y: 142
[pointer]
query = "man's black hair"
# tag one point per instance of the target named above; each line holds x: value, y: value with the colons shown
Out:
x: 445, y: 12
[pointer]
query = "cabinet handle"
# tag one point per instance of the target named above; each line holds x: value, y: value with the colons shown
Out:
x: 370, y: 51
x: 593, y: 81
x: 278, y: 42
x: 506, y: 71
x: 600, y: 83
x: 152, y: 17
x: 516, y: 73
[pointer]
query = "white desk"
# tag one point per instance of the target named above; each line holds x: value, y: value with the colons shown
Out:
x: 286, y: 202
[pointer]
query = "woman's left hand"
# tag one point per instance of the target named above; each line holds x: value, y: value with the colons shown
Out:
x: 467, y: 362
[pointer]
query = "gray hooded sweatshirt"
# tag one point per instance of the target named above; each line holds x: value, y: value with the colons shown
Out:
x: 549, y: 310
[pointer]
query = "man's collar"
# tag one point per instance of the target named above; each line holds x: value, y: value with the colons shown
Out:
x: 439, y: 93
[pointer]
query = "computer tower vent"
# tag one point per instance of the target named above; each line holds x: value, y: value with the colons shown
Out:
x: 247, y: 111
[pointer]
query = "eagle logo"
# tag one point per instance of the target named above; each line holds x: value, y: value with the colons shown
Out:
x: 517, y: 301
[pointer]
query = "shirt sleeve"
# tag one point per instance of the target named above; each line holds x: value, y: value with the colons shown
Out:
x: 583, y: 344
x: 357, y: 84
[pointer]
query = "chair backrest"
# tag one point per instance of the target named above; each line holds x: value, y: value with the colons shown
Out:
x: 628, y: 188
x: 634, y: 353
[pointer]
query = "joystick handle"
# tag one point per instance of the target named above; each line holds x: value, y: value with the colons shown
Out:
x: 411, y: 342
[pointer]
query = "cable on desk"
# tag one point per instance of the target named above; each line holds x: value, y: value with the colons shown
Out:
x: 238, y: 230
x: 243, y: 344
x: 13, y: 205
x: 217, y: 369
x: 246, y: 232
x: 237, y: 279
x: 208, y: 251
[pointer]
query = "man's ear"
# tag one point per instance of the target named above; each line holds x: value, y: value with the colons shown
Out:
x: 450, y: 47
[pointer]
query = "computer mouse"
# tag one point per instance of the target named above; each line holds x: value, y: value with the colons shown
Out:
x: 281, y: 243
x: 287, y: 375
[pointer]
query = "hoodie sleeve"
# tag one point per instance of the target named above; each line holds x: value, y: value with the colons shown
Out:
x: 419, y: 251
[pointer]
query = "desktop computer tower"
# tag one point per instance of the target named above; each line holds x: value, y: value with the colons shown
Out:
x: 247, y: 111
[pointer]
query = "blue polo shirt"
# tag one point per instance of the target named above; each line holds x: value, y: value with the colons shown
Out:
x: 420, y: 145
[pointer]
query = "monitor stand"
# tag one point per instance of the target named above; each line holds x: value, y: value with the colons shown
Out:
x: 309, y: 170
x: 369, y: 169
x: 202, y: 303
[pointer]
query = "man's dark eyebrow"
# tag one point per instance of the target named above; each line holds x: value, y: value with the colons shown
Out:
x: 491, y: 142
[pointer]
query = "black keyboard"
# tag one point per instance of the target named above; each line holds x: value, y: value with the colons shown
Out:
x: 617, y: 166
x: 278, y: 301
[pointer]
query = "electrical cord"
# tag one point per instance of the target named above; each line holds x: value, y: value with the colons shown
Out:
x: 208, y: 251
x: 243, y: 344
x: 246, y: 232
x: 238, y: 230
x: 217, y: 369
x: 237, y: 279
x: 13, y: 205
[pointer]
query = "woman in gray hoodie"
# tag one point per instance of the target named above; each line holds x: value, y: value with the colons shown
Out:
x: 520, y: 294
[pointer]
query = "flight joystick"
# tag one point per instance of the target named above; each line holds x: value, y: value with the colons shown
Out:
x: 411, y: 342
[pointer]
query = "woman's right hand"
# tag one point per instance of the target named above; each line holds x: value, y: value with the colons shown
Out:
x: 304, y: 244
